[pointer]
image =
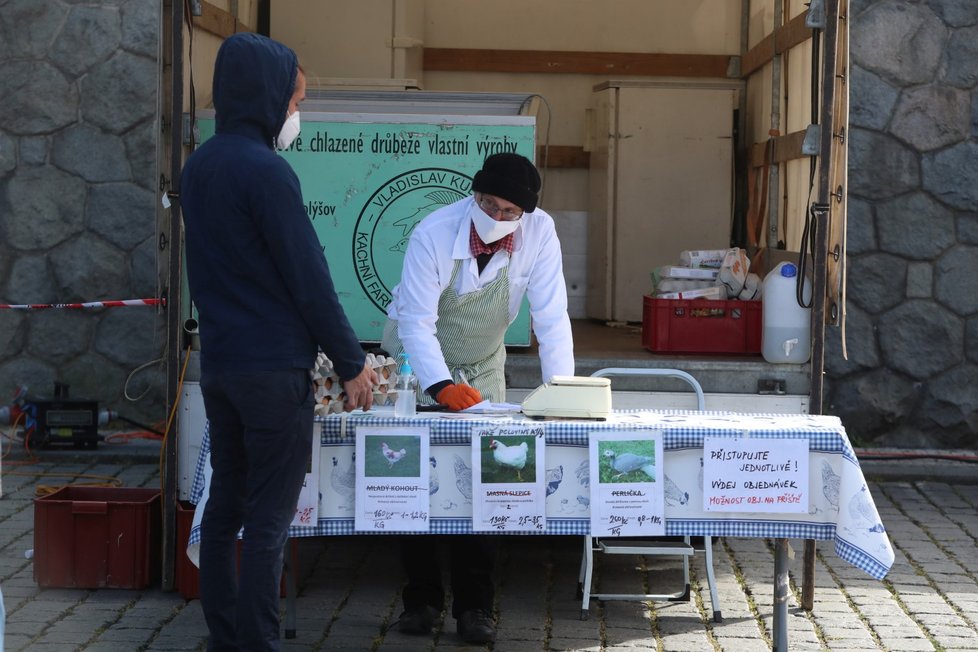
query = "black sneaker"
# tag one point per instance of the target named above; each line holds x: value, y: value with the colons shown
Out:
x: 417, y: 621
x: 476, y: 626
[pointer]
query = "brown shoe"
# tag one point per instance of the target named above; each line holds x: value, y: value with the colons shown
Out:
x: 476, y: 626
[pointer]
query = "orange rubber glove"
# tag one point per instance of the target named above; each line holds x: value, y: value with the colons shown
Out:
x: 459, y: 397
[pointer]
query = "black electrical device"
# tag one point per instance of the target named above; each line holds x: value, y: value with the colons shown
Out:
x: 61, y: 421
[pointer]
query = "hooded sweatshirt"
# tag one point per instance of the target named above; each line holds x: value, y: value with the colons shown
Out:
x: 256, y: 270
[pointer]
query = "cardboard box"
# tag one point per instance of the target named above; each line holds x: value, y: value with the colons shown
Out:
x: 96, y: 537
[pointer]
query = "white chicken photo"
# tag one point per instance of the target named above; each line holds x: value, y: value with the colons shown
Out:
x: 508, y: 459
x: 392, y: 456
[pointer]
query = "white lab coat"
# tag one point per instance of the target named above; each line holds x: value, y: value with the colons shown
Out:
x: 535, y: 271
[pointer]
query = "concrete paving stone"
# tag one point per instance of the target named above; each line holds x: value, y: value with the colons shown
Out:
x: 906, y: 645
x: 949, y: 630
x: 351, y: 643
x: 419, y: 646
x: 963, y: 643
x: 38, y: 646
x: 574, y: 645
x: 25, y: 628
x: 686, y: 641
x: 127, y: 634
x: 755, y: 644
x: 518, y: 646
x: 16, y: 642
x: 166, y: 644
x: 110, y: 646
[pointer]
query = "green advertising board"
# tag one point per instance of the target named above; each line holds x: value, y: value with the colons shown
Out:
x: 368, y: 179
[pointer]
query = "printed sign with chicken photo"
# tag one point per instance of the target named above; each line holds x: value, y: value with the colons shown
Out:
x: 627, y: 498
x: 508, y: 492
x: 392, y: 484
x: 389, y: 456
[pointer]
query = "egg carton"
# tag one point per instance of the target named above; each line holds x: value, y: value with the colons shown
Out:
x: 328, y: 390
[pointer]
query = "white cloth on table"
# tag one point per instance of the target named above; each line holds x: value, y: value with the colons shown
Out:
x: 193, y: 548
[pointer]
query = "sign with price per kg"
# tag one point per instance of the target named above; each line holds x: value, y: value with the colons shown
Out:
x: 755, y: 474
x: 508, y: 479
x: 627, y: 479
x: 307, y: 508
x: 392, y: 478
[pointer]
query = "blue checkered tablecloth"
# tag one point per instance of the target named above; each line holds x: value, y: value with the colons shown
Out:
x: 841, y: 506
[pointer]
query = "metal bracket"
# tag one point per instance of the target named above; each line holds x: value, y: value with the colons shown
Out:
x: 195, y: 8
x: 813, y: 136
x: 772, y: 386
x: 733, y: 68
x: 190, y: 128
x: 815, y: 18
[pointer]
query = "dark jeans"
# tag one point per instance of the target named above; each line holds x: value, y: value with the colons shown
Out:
x: 471, y: 560
x: 260, y: 436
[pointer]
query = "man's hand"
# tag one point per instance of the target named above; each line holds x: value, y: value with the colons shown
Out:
x: 459, y: 397
x: 360, y: 390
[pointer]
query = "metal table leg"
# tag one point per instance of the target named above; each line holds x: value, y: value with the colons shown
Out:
x: 780, y: 595
x: 290, y: 589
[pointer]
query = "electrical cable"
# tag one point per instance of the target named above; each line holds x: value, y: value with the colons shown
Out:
x: 148, y: 429
x: 810, y: 232
x: 173, y: 411
x: 870, y: 455
x: 125, y: 386
x: 188, y: 18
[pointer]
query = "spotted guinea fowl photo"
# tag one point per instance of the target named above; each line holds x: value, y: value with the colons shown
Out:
x: 626, y: 461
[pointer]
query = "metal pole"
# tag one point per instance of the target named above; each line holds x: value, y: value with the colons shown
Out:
x: 774, y: 183
x: 780, y: 595
x: 170, y: 241
x: 821, y: 220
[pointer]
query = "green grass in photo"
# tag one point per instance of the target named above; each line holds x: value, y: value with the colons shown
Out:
x: 631, y: 460
x: 501, y: 465
x: 397, y: 456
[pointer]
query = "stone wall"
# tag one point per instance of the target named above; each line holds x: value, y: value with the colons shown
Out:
x: 78, y: 137
x: 78, y: 105
x: 912, y: 328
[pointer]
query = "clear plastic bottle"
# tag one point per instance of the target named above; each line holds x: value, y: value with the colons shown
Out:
x: 786, y: 332
x: 406, y: 404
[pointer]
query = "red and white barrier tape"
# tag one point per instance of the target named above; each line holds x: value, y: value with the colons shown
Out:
x: 89, y: 304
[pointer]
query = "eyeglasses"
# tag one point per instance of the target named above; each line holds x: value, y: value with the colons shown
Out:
x: 492, y: 209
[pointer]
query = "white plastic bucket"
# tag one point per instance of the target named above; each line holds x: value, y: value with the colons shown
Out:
x: 786, y: 329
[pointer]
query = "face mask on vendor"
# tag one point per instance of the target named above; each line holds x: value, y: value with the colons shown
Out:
x: 487, y: 226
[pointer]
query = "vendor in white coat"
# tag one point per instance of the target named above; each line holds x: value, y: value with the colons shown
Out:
x: 467, y: 268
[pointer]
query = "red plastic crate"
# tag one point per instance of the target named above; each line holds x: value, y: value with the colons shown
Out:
x: 186, y: 574
x: 95, y: 537
x: 701, y: 326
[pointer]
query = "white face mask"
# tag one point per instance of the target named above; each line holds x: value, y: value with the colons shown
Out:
x: 489, y: 229
x: 289, y: 131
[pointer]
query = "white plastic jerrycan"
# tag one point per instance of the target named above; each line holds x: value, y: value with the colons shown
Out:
x: 786, y: 332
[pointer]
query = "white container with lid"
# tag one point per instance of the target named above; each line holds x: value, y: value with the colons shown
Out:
x: 786, y: 326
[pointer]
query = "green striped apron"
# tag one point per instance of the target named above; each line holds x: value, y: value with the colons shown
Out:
x: 471, y: 331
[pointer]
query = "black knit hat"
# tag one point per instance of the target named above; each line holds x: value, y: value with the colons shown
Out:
x: 511, y: 177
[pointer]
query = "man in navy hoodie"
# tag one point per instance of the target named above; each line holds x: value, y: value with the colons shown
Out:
x: 266, y: 302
